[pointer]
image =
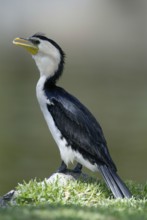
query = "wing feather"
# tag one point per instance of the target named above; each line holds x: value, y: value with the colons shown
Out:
x: 78, y: 126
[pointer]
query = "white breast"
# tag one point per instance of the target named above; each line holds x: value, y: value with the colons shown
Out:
x: 66, y: 152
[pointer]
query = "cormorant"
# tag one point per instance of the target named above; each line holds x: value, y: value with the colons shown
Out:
x: 75, y: 130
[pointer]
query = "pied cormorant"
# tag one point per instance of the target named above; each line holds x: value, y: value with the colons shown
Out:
x: 75, y: 130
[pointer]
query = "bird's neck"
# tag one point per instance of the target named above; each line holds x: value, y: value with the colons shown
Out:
x: 50, y: 69
x: 47, y: 67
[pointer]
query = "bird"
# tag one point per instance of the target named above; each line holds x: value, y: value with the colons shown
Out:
x: 75, y: 130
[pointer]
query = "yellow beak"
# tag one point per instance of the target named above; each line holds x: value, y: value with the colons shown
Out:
x: 27, y: 44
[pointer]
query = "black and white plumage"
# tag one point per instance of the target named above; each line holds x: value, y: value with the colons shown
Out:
x: 75, y: 130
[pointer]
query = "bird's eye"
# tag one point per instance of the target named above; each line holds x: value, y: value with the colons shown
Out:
x: 35, y: 41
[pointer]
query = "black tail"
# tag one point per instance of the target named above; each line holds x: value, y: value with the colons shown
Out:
x: 113, y: 181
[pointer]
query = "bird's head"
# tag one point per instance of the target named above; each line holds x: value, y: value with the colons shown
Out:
x: 48, y: 55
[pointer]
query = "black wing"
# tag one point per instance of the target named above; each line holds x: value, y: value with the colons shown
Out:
x: 78, y: 126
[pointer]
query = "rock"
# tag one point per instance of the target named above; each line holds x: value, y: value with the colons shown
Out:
x: 64, y: 178
x: 4, y: 200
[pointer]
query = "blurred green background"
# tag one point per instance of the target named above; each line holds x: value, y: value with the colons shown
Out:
x: 105, y: 42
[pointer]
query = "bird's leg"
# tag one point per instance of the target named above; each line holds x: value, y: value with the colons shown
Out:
x: 78, y: 168
x: 62, y: 168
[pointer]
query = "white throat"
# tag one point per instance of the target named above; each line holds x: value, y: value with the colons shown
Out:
x: 46, y: 65
x: 47, y: 59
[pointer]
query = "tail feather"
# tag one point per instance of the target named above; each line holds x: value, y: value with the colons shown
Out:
x: 114, y: 182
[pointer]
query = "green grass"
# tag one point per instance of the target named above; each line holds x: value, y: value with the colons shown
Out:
x: 76, y: 200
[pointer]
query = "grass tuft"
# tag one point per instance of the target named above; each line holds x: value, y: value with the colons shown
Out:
x: 75, y: 200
